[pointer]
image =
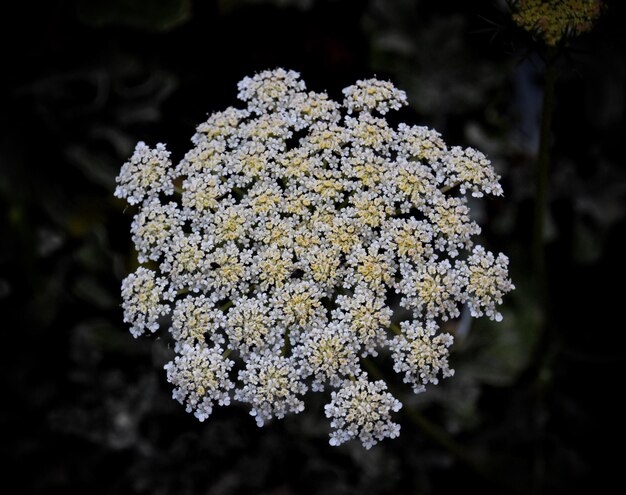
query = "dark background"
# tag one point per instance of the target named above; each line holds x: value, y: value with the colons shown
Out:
x: 535, y: 404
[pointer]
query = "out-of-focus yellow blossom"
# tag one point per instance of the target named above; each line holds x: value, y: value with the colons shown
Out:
x: 553, y: 20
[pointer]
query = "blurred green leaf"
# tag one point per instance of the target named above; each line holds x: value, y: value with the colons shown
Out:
x: 89, y: 289
x: 97, y: 336
x: 149, y: 15
x: 230, y: 5
x: 505, y: 348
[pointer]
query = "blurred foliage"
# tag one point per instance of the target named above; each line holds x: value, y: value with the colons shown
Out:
x: 443, y: 75
x: 149, y: 15
x: 89, y: 406
x: 226, y: 5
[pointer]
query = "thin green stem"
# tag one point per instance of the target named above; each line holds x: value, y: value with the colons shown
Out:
x: 542, y: 171
x: 226, y: 305
x: 542, y: 186
x: 449, y: 188
x: 286, y: 344
x: 439, y: 436
x: 434, y: 432
x: 545, y: 342
x: 544, y: 350
x: 395, y: 328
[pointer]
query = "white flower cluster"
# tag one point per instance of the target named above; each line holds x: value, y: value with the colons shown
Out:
x: 362, y: 409
x: 421, y: 354
x: 281, y: 241
x: 200, y: 375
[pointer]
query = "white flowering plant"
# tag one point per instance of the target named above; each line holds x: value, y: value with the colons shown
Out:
x: 277, y: 248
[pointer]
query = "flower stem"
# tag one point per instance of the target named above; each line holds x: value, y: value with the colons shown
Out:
x: 226, y: 305
x: 542, y: 171
x: 439, y: 436
x: 286, y: 344
x: 395, y: 328
x: 545, y: 341
x: 445, y: 189
x: 434, y: 432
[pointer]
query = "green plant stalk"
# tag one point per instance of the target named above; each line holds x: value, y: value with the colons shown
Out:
x: 287, y: 344
x: 542, y: 170
x: 543, y: 347
x: 441, y: 437
x: 435, y: 433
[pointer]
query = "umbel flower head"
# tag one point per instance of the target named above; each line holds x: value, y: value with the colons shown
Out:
x: 282, y: 242
x: 553, y: 20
